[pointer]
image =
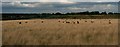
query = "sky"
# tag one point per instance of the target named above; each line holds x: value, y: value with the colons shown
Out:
x: 69, y: 1
x: 53, y: 6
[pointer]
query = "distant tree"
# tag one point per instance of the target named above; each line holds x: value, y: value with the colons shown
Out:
x: 104, y: 13
x: 110, y: 13
x: 67, y: 13
x: 43, y: 14
x: 53, y: 13
x: 72, y: 13
x: 94, y: 12
x: 84, y: 13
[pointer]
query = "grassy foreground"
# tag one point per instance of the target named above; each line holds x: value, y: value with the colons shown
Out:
x: 60, y: 32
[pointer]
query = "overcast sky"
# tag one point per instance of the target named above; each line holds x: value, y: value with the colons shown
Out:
x: 52, y: 6
x: 33, y: 7
x: 67, y: 1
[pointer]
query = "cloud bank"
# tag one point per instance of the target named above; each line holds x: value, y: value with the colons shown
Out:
x: 45, y: 7
x: 67, y: 1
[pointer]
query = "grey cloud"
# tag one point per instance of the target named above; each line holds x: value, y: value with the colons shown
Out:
x: 54, y: 7
x: 59, y: 0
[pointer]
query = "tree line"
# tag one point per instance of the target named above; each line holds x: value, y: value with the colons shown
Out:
x: 58, y: 15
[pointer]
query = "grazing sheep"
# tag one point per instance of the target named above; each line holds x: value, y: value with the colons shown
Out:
x: 63, y: 21
x: 67, y: 22
x: 109, y: 22
x: 41, y: 21
x: 77, y: 22
x: 19, y: 22
x: 26, y: 22
x: 92, y: 21
x: 58, y: 21
x: 73, y: 22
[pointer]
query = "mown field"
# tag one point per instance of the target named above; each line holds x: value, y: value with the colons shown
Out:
x: 60, y: 32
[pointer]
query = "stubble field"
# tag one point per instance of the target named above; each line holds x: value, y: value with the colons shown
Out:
x: 60, y: 32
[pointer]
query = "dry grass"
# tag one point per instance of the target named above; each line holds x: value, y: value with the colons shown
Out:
x: 61, y: 32
x: 0, y: 33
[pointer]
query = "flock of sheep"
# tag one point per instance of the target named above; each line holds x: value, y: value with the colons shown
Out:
x: 74, y: 22
x: 77, y: 22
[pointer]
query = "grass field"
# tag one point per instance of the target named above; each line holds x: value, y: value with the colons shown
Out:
x: 60, y: 32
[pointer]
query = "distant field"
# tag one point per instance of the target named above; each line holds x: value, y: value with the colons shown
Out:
x: 60, y: 32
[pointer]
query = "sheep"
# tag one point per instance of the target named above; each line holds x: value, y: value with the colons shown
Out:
x: 85, y: 21
x: 41, y: 21
x: 63, y: 21
x: 19, y: 22
x: 67, y: 22
x: 77, y: 22
x: 58, y: 21
x: 26, y: 22
x: 92, y: 21
x: 73, y: 22
x: 109, y: 22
